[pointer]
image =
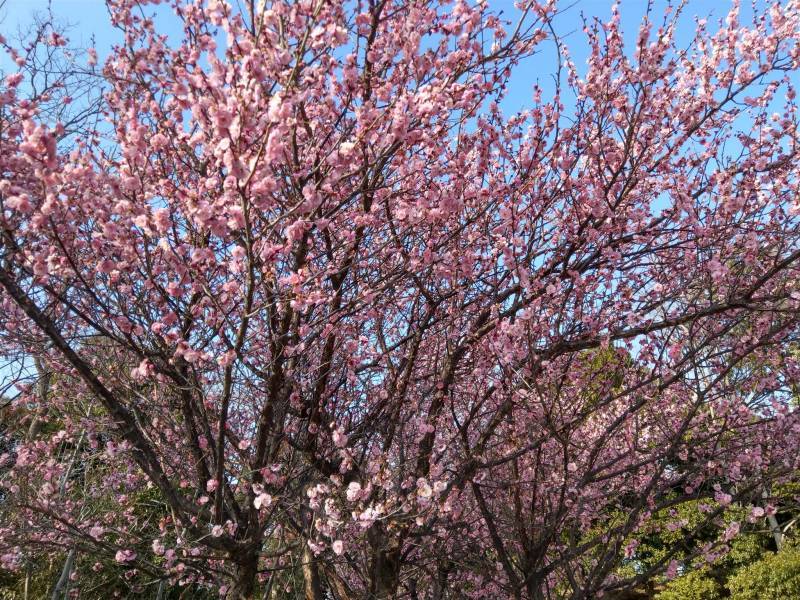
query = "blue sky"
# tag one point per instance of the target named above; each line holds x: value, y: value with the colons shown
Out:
x: 89, y: 21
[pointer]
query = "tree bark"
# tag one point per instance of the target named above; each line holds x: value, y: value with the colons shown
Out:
x: 774, y: 526
x: 335, y: 585
x: 313, y: 586
x: 385, y: 568
x: 43, y: 392
x: 386, y: 573
x: 244, y: 582
x: 27, y: 580
x: 61, y: 584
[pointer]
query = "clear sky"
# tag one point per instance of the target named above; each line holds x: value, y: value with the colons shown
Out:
x: 89, y: 23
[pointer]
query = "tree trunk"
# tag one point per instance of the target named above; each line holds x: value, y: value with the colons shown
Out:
x: 335, y: 585
x: 774, y: 526
x: 313, y: 586
x: 43, y: 392
x: 440, y: 585
x: 63, y: 580
x: 385, y: 567
x: 27, y: 580
x: 244, y: 582
x: 386, y: 574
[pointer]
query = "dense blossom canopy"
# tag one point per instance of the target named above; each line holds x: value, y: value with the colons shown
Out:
x: 305, y: 300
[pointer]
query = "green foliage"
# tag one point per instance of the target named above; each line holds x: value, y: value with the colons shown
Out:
x: 696, y: 585
x: 41, y: 575
x: 775, y: 577
x: 666, y: 537
x: 105, y: 583
x: 748, y: 569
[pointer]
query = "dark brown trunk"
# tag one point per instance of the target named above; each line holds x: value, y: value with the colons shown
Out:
x: 244, y: 581
x: 385, y: 567
x: 386, y: 574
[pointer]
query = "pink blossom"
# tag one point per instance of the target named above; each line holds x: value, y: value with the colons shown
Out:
x: 722, y: 498
x: 424, y: 489
x: 339, y: 438
x: 353, y: 491
x: 21, y: 203
x: 672, y: 569
x: 124, y: 556
x: 262, y: 500
x: 731, y: 531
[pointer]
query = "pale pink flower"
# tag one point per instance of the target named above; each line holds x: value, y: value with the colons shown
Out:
x: 124, y: 556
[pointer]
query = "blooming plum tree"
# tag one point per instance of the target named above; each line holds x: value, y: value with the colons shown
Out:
x: 309, y: 302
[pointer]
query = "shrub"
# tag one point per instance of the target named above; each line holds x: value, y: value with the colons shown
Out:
x: 775, y: 577
x: 696, y: 585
